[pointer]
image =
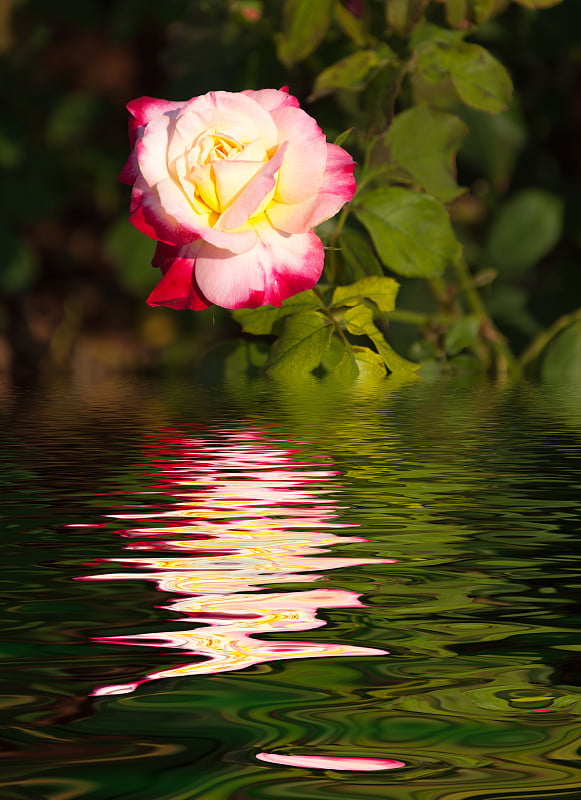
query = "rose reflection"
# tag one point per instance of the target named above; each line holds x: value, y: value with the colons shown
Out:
x: 248, y: 514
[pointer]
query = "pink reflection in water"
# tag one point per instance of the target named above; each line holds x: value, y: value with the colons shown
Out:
x: 331, y: 762
x: 248, y: 514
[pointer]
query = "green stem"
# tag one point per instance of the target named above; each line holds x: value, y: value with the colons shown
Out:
x: 341, y: 221
x: 542, y: 340
x: 417, y: 318
x: 327, y: 312
x: 474, y: 299
x: 505, y: 364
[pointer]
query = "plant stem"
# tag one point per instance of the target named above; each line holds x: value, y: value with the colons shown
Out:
x: 327, y: 312
x: 472, y: 295
x: 542, y: 340
x: 505, y: 364
x: 341, y: 221
x: 418, y: 318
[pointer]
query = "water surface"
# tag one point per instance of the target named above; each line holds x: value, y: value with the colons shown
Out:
x: 283, y: 593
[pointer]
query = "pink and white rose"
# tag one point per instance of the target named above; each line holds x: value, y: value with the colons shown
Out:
x: 231, y: 185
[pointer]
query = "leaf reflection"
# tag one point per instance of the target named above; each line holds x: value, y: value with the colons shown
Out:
x: 248, y: 514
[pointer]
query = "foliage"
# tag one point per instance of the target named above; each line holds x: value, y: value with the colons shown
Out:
x: 425, y: 66
x: 466, y: 186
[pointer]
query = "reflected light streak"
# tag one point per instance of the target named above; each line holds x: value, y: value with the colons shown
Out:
x: 331, y: 762
x: 248, y: 514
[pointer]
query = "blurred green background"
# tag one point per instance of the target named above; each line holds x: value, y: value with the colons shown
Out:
x: 74, y: 275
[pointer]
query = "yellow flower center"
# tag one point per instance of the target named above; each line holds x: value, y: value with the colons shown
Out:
x: 217, y: 147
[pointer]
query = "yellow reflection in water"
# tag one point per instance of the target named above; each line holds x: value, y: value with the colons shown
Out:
x: 248, y: 514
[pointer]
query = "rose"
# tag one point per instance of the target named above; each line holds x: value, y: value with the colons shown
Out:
x: 230, y: 185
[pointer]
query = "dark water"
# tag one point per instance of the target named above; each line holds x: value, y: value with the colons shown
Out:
x: 283, y: 593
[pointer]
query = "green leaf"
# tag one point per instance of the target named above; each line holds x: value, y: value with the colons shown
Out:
x: 304, y: 340
x: 336, y: 353
x: 464, y: 13
x: 461, y: 334
x: 346, y: 370
x: 358, y: 255
x: 382, y: 291
x: 355, y: 27
x: 342, y: 138
x: 429, y: 160
x: 352, y: 72
x: 403, y: 15
x: 411, y: 232
x: 360, y: 364
x: 526, y: 228
x: 359, y: 322
x: 378, y: 99
x: 260, y: 321
x: 479, y: 79
x: 562, y: 357
x: 304, y: 26
x: 370, y: 364
x: 427, y: 32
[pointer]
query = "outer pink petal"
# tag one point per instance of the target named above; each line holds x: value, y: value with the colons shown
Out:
x: 151, y: 150
x: 271, y: 99
x: 178, y: 288
x: 149, y: 216
x: 130, y: 170
x: 338, y: 185
x: 141, y: 111
x: 276, y: 268
x: 304, y: 163
x: 144, y: 109
x: 337, y: 188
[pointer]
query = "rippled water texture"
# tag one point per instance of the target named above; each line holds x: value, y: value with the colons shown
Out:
x: 280, y: 594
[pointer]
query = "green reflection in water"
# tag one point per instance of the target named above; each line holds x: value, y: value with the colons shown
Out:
x: 475, y: 492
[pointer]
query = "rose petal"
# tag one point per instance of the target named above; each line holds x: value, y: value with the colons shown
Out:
x: 178, y: 288
x: 151, y: 150
x: 304, y: 163
x: 144, y: 109
x: 175, y: 203
x: 232, y: 113
x: 276, y: 268
x: 253, y: 193
x: 148, y: 216
x: 337, y: 188
x: 232, y: 176
x: 271, y: 99
x: 130, y: 170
